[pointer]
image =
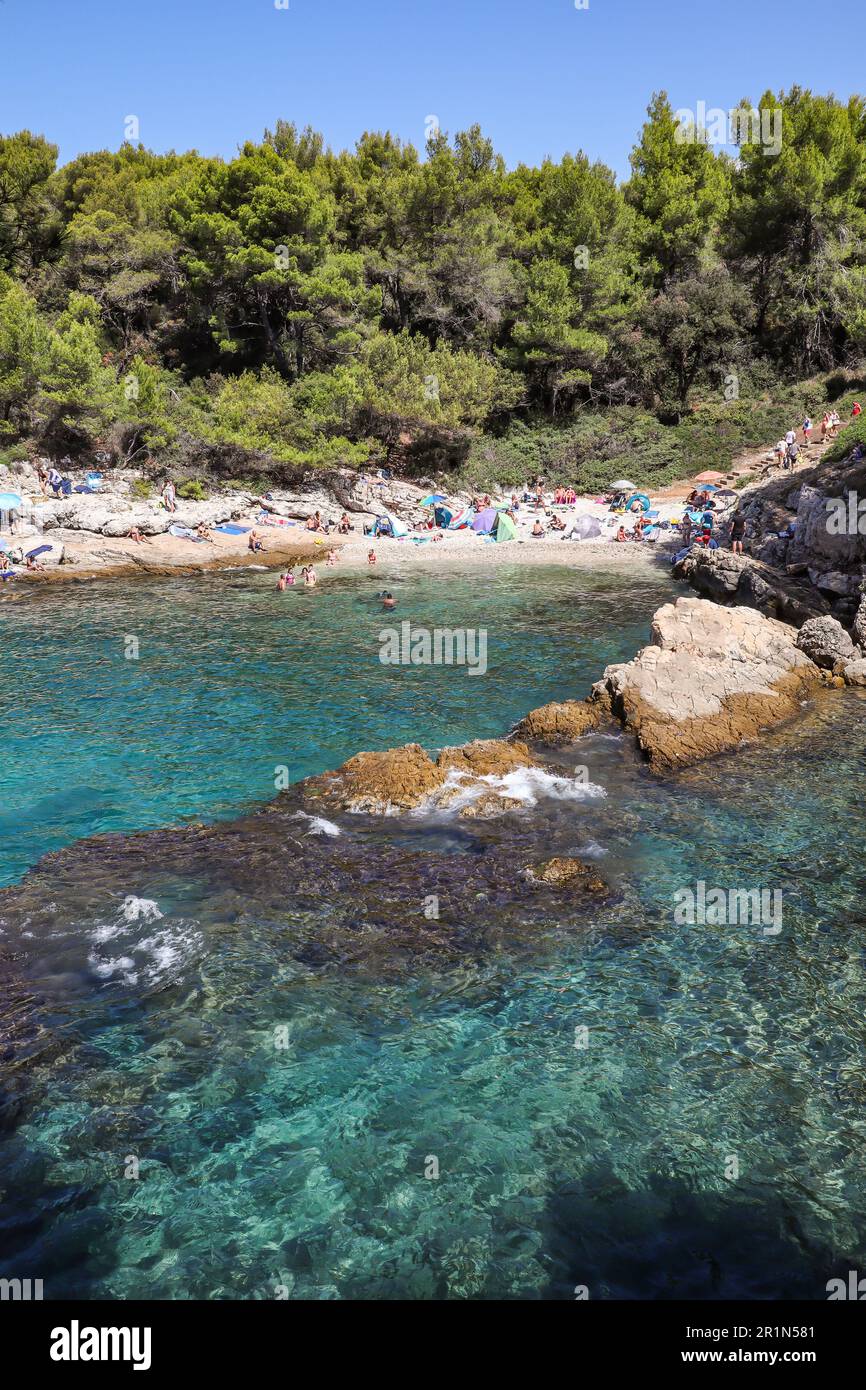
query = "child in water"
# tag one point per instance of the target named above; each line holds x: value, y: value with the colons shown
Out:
x: 371, y: 557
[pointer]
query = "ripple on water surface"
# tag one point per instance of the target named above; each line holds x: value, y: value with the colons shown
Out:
x: 288, y: 1114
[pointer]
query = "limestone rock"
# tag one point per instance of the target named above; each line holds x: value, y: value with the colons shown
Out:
x: 559, y: 722
x: 825, y: 641
x: 485, y: 758
x: 396, y: 779
x: 712, y: 678
x: 854, y: 673
x: 729, y: 578
x: 401, y: 779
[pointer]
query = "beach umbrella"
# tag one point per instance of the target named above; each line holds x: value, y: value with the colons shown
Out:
x: 711, y: 476
x: 432, y: 499
x: 9, y: 502
x: 40, y: 550
x: 638, y: 497
x: 622, y: 485
x: 505, y: 528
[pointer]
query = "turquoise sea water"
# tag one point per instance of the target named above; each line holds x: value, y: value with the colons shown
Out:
x: 707, y: 1139
x: 234, y: 680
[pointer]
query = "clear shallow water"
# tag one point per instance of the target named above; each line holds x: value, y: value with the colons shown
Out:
x: 234, y: 680
x: 304, y: 1168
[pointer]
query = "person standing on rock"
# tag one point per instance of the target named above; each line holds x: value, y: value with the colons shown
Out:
x: 738, y: 530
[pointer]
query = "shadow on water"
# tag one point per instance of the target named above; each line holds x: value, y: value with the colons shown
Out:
x: 673, y: 1240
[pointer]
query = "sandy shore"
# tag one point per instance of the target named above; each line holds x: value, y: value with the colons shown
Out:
x: 93, y: 558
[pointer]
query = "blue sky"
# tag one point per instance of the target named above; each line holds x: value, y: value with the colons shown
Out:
x: 539, y: 75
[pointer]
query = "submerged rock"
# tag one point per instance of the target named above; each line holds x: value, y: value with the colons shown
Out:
x: 712, y: 678
x: 571, y: 872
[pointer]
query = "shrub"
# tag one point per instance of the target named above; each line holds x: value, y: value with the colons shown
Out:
x: 192, y: 491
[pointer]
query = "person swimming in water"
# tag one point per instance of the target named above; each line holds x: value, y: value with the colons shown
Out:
x: 388, y: 600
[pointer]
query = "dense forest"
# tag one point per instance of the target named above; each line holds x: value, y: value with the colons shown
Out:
x: 294, y: 308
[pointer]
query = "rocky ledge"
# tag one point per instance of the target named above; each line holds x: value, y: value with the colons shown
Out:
x: 727, y: 578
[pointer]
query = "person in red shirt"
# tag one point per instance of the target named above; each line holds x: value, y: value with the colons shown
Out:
x: 858, y: 409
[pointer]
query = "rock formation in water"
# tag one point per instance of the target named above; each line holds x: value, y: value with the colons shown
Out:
x: 560, y: 722
x: 712, y: 678
x: 403, y: 779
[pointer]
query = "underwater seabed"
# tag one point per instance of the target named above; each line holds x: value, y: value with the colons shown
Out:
x: 325, y: 1093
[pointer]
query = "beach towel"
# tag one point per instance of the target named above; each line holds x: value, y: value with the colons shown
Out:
x: 229, y: 530
x: 184, y: 533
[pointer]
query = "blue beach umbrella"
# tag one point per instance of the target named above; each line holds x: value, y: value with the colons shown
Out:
x: 40, y: 550
x: 9, y: 501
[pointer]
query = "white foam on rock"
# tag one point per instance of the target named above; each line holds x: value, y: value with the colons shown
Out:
x: 318, y: 824
x: 527, y: 785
